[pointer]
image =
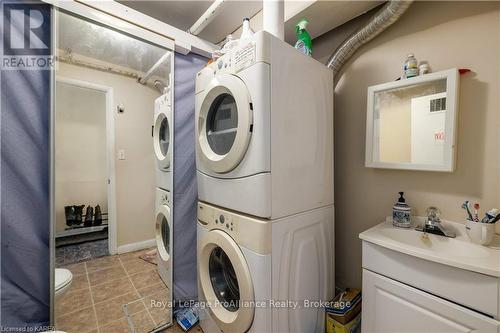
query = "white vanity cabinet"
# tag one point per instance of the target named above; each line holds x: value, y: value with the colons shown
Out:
x: 413, y: 285
x: 391, y: 306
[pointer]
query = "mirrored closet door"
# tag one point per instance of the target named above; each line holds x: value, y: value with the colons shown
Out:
x: 112, y: 167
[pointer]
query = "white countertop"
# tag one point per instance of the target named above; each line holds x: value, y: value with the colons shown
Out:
x: 458, y: 252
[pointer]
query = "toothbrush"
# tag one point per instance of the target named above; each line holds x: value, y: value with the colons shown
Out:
x: 466, y: 206
x: 494, y: 220
x: 476, y: 209
x: 490, y: 215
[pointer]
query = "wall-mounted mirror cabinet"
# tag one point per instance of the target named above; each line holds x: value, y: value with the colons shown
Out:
x: 411, y: 123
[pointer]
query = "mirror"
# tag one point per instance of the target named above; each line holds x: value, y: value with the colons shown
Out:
x: 411, y: 123
x: 112, y: 180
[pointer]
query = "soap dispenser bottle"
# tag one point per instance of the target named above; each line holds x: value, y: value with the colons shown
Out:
x: 401, y: 213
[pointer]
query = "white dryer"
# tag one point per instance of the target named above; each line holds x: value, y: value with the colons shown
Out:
x: 164, y: 235
x: 264, y: 130
x: 162, y: 140
x: 246, y: 266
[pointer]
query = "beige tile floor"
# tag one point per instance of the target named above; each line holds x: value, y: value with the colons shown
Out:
x: 101, y: 287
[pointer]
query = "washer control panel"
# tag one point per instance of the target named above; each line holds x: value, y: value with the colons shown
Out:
x: 224, y: 221
x: 252, y: 233
x: 162, y: 103
x: 165, y: 198
x: 213, y: 218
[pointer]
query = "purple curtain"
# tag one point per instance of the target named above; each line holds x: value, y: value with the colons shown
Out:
x: 24, y: 201
x: 185, y: 187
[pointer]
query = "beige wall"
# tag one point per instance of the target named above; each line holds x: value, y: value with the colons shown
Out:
x: 80, y: 155
x: 135, y: 178
x: 447, y: 34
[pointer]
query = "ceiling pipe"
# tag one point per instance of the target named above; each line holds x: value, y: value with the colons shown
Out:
x: 149, y: 73
x: 389, y: 14
x: 274, y: 17
x: 206, y: 18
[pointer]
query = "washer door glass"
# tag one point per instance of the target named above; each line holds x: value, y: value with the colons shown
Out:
x: 225, y: 281
x: 163, y: 233
x: 222, y: 124
x: 223, y: 278
x: 164, y: 136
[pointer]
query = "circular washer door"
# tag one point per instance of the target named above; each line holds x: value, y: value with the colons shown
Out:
x: 224, y: 123
x: 225, y: 282
x: 162, y: 139
x: 163, y: 232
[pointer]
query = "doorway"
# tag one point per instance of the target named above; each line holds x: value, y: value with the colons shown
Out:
x: 84, y: 171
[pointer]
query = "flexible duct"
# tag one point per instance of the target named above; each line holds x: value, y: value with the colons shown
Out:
x: 391, y: 12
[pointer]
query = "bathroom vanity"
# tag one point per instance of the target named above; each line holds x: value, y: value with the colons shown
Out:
x: 416, y: 282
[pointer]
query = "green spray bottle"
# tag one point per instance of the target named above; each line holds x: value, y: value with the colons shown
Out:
x: 304, y: 43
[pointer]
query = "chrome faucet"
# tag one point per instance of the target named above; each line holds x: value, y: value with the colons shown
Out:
x: 432, y: 224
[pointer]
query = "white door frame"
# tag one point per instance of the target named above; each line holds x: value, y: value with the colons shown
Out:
x: 110, y: 153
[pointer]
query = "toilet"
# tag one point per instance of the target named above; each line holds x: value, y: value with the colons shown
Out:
x: 62, y: 281
x: 62, y: 278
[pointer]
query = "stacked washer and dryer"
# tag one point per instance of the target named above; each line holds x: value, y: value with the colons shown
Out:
x: 163, y: 147
x: 264, y: 155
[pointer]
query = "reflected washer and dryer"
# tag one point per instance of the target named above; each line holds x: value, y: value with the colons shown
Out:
x: 264, y: 130
x: 162, y: 140
x: 164, y: 235
x: 244, y: 262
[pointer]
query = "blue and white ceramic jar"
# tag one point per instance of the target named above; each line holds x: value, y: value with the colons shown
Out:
x: 401, y: 213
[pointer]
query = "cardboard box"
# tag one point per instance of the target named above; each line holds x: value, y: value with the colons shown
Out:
x: 333, y: 326
x: 343, y: 314
x: 345, y: 306
x: 346, y: 317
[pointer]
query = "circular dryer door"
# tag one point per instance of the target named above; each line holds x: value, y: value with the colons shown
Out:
x: 225, y: 282
x: 162, y: 139
x: 224, y: 123
x: 163, y: 232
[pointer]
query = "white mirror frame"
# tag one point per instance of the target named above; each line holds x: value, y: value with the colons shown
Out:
x: 452, y: 89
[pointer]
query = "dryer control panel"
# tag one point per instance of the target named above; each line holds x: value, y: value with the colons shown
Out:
x: 237, y: 59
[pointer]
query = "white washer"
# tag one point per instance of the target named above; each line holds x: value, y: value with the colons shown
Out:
x: 264, y: 130
x: 244, y: 263
x: 164, y: 235
x: 162, y: 140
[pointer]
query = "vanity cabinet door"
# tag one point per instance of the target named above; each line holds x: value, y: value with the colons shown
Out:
x: 390, y: 306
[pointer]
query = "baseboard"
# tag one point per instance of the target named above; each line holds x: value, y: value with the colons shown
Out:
x: 136, y: 246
